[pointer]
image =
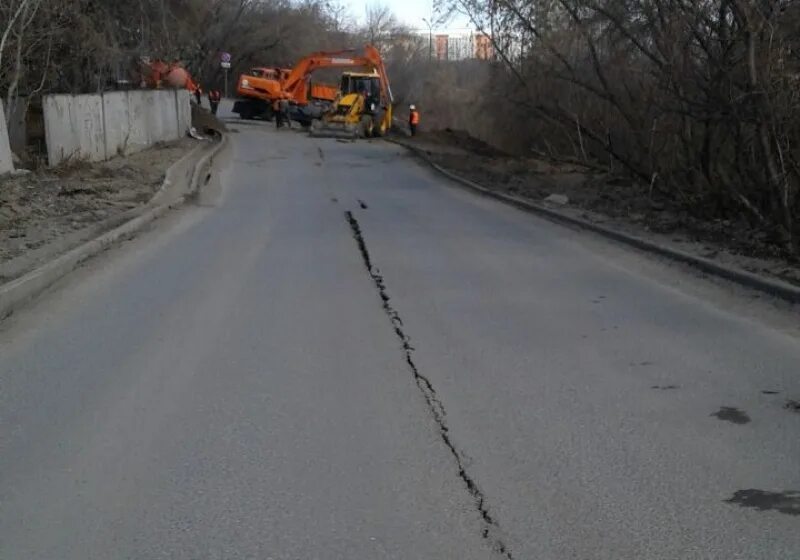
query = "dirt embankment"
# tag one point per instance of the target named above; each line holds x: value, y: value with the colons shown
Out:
x: 613, y: 201
x: 66, y: 205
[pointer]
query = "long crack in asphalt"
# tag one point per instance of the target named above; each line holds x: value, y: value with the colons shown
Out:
x: 491, y: 529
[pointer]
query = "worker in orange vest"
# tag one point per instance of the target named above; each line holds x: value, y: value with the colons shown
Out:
x: 214, y: 97
x: 413, y: 120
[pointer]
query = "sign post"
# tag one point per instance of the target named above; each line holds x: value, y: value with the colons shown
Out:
x: 225, y: 63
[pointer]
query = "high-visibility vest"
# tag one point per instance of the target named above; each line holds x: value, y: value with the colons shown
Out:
x: 414, y: 117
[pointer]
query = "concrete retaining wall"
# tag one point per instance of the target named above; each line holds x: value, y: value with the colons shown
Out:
x: 6, y: 163
x: 99, y: 127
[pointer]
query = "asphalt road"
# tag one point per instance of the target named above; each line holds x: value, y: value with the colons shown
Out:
x: 237, y: 384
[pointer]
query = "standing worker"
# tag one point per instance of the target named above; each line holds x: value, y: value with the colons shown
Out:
x: 214, y: 97
x: 413, y: 120
x: 281, y: 110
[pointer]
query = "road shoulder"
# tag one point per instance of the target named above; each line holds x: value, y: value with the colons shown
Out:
x: 686, y: 254
x: 181, y: 180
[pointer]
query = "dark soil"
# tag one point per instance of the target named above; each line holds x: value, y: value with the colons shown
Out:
x: 615, y: 201
x: 206, y: 123
x: 43, y: 207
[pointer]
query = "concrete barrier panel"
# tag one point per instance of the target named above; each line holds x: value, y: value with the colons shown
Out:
x: 169, y: 115
x: 6, y: 163
x: 74, y: 127
x: 116, y: 123
x: 61, y: 142
x: 161, y: 113
x: 88, y: 117
x: 152, y: 119
x: 139, y: 137
x: 183, y: 100
x: 98, y: 127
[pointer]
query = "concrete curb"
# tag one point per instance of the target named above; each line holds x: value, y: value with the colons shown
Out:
x: 21, y: 290
x: 772, y: 287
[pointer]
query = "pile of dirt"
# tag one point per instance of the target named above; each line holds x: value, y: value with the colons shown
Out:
x: 206, y: 123
x: 46, y: 206
x: 459, y: 139
x: 614, y: 201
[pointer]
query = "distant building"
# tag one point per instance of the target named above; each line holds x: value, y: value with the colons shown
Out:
x: 484, y: 50
x: 458, y: 44
x: 442, y: 47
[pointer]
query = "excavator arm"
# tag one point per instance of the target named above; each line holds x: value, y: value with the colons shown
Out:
x: 294, y: 86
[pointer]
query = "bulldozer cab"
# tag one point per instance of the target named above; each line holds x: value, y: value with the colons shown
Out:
x: 368, y: 85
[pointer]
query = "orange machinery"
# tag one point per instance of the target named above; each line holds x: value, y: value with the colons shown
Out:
x: 259, y: 93
x: 157, y: 74
x: 261, y: 87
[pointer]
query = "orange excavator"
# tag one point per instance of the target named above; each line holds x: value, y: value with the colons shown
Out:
x: 310, y: 100
x: 261, y: 87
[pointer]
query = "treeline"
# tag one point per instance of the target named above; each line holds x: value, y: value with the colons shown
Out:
x: 698, y: 100
x: 87, y: 46
x: 91, y: 45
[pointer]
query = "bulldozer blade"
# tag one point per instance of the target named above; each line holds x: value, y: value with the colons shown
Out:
x: 334, y: 131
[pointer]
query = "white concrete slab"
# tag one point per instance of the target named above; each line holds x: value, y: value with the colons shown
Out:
x: 116, y: 121
x: 139, y: 137
x: 98, y: 127
x: 183, y: 101
x: 6, y: 163
x: 88, y: 121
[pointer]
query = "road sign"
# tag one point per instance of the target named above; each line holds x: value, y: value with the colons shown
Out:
x: 225, y: 65
x: 225, y: 58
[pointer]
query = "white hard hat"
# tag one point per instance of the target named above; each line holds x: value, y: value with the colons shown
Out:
x: 412, y: 107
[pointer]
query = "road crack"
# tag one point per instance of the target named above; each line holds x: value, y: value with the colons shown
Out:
x: 491, y: 529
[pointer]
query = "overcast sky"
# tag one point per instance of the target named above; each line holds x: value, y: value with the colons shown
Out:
x: 409, y: 12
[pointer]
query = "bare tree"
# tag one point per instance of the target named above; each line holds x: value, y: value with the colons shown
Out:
x: 697, y: 100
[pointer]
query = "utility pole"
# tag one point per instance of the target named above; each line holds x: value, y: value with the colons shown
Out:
x: 430, y: 38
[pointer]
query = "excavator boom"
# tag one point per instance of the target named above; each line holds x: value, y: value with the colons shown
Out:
x: 259, y: 93
x: 369, y: 58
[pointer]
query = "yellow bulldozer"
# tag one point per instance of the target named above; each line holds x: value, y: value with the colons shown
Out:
x: 363, y: 108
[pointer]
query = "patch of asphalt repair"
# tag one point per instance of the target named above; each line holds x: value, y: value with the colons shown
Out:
x: 732, y: 414
x: 491, y: 528
x: 787, y: 502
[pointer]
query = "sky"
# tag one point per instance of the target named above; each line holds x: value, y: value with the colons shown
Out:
x: 409, y: 12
